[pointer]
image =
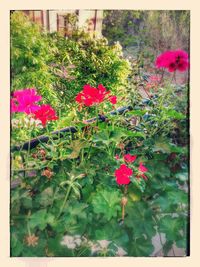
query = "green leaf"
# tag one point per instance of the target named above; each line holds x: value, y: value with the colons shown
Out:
x: 167, y: 247
x: 178, y: 149
x: 56, y: 249
x: 174, y: 114
x: 107, y: 202
x: 137, y: 112
x: 159, y: 169
x: 103, y: 137
x: 141, y: 247
x: 164, y: 148
x: 77, y: 209
x: 182, y: 243
x: 76, y: 146
x: 139, y: 183
x: 46, y: 197
x: 171, y: 199
x: 50, y: 219
x: 112, y: 231
x: 38, y: 219
x: 182, y: 176
x: 173, y: 227
x: 139, y: 217
x: 162, y: 144
x: 16, y: 245
x: 117, y: 134
x: 27, y: 202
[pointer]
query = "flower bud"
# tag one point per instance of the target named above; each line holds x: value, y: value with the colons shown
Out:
x: 47, y: 172
x: 124, y: 201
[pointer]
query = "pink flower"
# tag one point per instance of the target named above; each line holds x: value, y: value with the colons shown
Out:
x: 113, y: 99
x: 24, y: 101
x: 122, y: 174
x: 129, y: 158
x: 173, y: 60
x: 164, y: 59
x: 142, y: 169
x: 45, y: 113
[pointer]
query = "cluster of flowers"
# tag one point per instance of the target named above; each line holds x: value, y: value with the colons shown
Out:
x: 173, y: 60
x: 96, y: 247
x: 71, y: 241
x: 25, y: 101
x: 26, y: 123
x: 90, y: 96
x: 124, y: 173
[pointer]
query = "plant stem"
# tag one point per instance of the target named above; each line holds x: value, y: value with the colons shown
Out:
x: 64, y: 202
x: 123, y: 212
x: 28, y: 229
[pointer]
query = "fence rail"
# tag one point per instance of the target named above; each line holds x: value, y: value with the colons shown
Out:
x: 59, y: 133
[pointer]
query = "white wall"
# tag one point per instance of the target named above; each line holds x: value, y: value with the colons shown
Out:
x: 84, y: 15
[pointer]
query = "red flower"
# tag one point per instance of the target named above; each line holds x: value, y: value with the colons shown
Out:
x: 129, y: 158
x: 90, y: 96
x: 45, y: 113
x: 24, y: 101
x: 142, y: 169
x: 113, y: 99
x: 122, y: 174
x: 173, y: 60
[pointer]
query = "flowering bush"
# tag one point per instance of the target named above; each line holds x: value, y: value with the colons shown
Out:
x: 59, y: 67
x: 124, y: 172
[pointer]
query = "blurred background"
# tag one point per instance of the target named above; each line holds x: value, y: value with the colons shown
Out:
x: 154, y: 30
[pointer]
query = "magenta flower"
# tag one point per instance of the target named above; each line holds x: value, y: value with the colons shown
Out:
x: 173, y: 60
x: 142, y: 169
x: 24, y: 101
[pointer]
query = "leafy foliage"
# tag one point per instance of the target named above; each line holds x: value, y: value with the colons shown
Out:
x: 68, y: 202
x: 106, y: 203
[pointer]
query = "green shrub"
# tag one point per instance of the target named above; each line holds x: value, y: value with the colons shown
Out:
x: 83, y: 59
x: 59, y: 67
x: 31, y: 52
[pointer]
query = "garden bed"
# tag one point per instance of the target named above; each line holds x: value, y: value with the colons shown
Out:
x: 99, y: 148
